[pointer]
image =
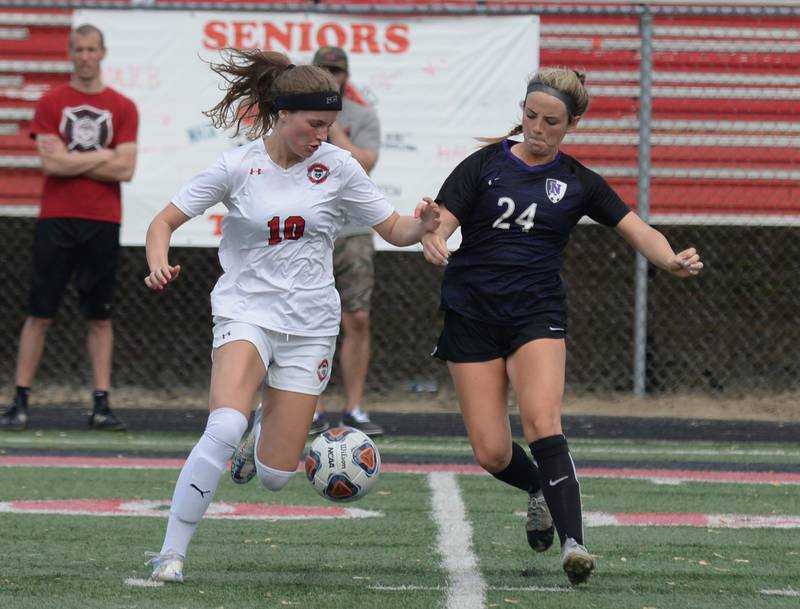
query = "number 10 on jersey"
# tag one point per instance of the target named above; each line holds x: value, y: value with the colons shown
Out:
x: 293, y: 229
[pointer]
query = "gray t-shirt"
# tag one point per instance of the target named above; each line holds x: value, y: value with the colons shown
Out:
x: 361, y: 125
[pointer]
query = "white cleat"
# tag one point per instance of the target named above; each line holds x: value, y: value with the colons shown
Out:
x: 166, y: 567
x: 539, y: 526
x: 578, y: 564
x: 243, y: 462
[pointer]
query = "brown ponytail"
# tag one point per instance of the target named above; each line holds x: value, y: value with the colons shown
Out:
x: 254, y: 79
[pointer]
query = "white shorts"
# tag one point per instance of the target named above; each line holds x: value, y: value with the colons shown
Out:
x: 294, y: 363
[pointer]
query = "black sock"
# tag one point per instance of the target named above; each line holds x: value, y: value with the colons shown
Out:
x: 521, y: 471
x: 100, y: 400
x: 21, y: 397
x: 560, y: 485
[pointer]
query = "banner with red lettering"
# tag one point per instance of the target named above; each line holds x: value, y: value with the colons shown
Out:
x: 436, y: 82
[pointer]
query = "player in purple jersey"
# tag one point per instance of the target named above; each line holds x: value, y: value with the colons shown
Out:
x: 505, y: 304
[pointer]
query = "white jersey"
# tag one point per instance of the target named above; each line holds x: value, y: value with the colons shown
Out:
x: 276, y: 250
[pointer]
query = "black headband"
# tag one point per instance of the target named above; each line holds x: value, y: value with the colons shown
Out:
x: 321, y: 100
x: 537, y: 85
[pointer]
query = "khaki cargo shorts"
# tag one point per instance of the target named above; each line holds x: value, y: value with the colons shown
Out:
x: 354, y: 270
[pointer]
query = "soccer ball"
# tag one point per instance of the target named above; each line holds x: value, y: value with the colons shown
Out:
x: 343, y: 464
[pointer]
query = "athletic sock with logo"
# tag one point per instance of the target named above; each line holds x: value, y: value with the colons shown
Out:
x: 200, y: 476
x: 520, y: 471
x: 559, y: 485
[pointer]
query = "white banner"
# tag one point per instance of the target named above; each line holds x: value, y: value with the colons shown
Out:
x: 436, y: 82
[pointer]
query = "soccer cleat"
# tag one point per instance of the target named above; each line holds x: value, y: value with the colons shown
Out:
x: 166, y: 567
x: 243, y: 462
x: 539, y: 527
x: 358, y: 419
x: 105, y: 420
x: 319, y: 424
x: 576, y: 561
x: 15, y: 418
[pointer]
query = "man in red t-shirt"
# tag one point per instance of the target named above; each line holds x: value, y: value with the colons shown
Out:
x: 85, y: 135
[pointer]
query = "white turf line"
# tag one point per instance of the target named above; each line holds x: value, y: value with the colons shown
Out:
x: 142, y: 583
x: 783, y: 592
x: 466, y: 589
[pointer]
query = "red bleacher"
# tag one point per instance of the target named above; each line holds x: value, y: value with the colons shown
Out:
x: 726, y: 105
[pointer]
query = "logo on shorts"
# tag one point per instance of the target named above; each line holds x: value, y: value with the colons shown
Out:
x: 318, y: 173
x: 322, y: 370
x: 556, y: 189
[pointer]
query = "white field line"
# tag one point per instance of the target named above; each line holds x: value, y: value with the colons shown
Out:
x: 142, y: 583
x: 466, y: 588
x: 781, y: 592
x: 412, y: 588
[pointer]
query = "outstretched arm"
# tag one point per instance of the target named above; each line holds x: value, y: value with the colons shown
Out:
x: 407, y: 230
x: 434, y: 244
x: 157, y: 247
x: 653, y: 245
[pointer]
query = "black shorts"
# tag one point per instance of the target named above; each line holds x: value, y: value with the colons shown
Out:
x: 468, y: 340
x: 87, y: 248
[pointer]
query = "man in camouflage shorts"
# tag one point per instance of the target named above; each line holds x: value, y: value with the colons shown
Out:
x: 357, y: 130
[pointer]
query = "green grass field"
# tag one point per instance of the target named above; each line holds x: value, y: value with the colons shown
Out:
x: 394, y: 560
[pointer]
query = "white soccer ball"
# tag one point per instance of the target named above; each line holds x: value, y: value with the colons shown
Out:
x: 343, y: 464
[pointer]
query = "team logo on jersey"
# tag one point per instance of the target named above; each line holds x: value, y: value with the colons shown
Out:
x: 318, y: 173
x: 322, y: 370
x: 556, y: 189
x: 86, y: 128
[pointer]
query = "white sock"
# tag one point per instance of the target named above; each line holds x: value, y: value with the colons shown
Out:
x: 200, y: 476
x: 270, y: 478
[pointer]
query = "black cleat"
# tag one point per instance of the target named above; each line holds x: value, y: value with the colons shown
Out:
x: 361, y: 422
x: 319, y: 424
x: 105, y: 420
x: 14, y: 419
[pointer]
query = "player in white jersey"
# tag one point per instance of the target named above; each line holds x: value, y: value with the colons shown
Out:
x: 275, y: 307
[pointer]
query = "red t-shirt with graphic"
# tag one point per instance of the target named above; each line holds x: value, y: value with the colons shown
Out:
x: 84, y: 122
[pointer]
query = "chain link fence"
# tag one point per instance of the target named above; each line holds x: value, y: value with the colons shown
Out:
x: 724, y: 176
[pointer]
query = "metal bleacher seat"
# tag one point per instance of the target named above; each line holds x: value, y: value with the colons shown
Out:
x: 33, y: 47
x: 724, y: 98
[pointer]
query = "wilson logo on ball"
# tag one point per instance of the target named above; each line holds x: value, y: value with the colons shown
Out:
x: 342, y: 464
